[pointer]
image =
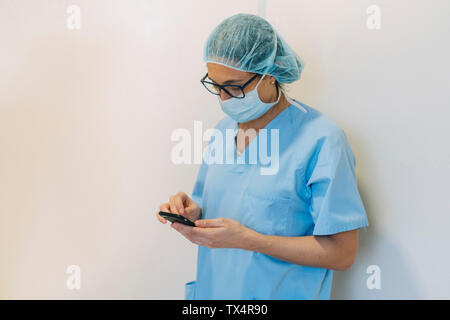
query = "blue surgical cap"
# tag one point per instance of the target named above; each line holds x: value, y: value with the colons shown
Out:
x: 249, y: 43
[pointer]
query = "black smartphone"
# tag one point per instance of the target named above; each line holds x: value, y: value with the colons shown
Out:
x: 172, y: 217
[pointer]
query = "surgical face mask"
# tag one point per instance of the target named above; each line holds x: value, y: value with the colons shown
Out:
x: 248, y: 108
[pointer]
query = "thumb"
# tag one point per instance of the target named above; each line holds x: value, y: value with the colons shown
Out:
x: 209, y: 223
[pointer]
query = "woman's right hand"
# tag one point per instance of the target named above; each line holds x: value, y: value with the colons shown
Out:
x: 182, y: 204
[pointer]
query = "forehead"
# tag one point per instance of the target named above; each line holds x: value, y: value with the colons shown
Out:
x: 221, y: 73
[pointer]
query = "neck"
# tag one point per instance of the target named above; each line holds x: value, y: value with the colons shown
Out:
x: 262, y: 121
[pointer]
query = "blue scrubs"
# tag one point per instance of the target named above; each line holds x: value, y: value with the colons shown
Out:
x: 314, y: 192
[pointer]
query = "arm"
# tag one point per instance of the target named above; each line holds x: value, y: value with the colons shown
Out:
x: 336, y: 251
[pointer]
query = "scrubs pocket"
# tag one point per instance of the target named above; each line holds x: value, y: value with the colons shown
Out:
x: 189, y: 290
x: 266, y: 215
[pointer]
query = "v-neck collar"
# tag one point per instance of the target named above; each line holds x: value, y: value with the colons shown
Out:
x: 268, y: 126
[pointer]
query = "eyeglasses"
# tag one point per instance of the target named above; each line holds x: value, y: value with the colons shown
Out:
x: 233, y: 90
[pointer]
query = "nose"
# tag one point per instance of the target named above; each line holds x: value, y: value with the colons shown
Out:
x: 224, y: 96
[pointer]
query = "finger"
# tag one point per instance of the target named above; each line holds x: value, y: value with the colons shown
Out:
x: 188, y: 201
x: 201, y: 237
x: 183, y: 229
x: 190, y: 210
x: 184, y: 197
x: 161, y: 219
x: 179, y: 203
x: 173, y: 207
x: 210, y: 223
x: 201, y: 241
x: 163, y: 207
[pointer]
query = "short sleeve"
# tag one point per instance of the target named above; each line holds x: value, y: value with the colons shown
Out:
x: 336, y: 205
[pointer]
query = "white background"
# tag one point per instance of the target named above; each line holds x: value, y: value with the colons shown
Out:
x: 86, y: 118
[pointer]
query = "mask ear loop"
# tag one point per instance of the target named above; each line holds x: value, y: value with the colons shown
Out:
x: 260, y: 81
x: 273, y: 82
x: 256, y: 88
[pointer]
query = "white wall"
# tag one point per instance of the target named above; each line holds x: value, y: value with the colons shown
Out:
x: 86, y: 118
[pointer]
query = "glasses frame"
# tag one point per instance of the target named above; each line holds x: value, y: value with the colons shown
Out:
x: 222, y: 87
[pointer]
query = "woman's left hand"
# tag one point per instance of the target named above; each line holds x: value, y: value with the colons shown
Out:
x: 215, y: 233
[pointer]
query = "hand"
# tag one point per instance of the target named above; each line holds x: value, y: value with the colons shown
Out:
x: 215, y: 233
x: 182, y: 204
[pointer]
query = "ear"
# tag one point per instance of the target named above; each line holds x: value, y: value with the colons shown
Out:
x: 272, y: 80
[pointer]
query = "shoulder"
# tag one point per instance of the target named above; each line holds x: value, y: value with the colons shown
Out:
x: 314, y: 126
x: 321, y: 139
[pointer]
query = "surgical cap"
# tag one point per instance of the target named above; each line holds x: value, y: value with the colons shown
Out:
x: 249, y: 43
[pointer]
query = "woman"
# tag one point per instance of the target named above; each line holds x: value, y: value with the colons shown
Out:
x: 269, y: 236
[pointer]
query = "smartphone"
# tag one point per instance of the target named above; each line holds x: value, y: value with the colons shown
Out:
x: 172, y: 217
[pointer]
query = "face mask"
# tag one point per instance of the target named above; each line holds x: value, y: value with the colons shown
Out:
x: 248, y: 108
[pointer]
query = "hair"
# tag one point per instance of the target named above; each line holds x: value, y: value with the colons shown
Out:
x: 280, y: 86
